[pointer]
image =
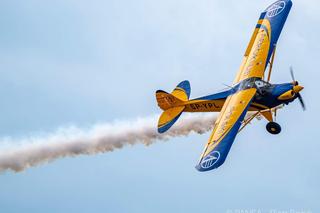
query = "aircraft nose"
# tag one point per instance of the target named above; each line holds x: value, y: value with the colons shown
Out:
x: 297, y: 88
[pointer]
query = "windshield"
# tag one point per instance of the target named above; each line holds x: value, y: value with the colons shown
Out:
x: 261, y: 83
x: 253, y: 83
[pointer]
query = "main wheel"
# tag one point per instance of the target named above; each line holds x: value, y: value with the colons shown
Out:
x: 273, y: 128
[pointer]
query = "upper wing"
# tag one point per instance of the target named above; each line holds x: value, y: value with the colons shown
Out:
x: 264, y: 40
x: 255, y: 61
x: 226, y: 129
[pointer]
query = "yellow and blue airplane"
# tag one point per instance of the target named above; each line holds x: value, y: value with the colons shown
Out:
x: 251, y: 91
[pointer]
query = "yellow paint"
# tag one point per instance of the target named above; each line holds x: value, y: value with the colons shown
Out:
x: 291, y: 93
x: 230, y: 113
x: 214, y: 106
x: 297, y: 88
x: 180, y: 93
x: 167, y: 101
x: 255, y: 58
x: 169, y: 115
x: 204, y: 105
x: 286, y: 96
x: 268, y: 115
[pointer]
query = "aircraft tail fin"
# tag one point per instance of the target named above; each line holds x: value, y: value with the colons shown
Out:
x: 182, y: 91
x: 172, y: 104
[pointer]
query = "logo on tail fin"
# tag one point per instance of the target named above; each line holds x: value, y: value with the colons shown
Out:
x: 276, y: 9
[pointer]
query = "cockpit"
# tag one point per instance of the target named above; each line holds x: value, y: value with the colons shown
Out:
x: 253, y: 83
x: 261, y: 84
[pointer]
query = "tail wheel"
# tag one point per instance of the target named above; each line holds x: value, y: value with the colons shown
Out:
x: 273, y: 128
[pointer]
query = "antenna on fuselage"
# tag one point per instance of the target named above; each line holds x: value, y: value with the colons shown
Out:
x: 229, y: 86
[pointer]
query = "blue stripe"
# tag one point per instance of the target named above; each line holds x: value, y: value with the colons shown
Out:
x: 277, y: 22
x: 262, y: 15
x: 185, y: 85
x: 168, y: 125
x: 224, y: 146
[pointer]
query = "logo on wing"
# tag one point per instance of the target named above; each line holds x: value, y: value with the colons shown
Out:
x: 276, y: 9
x: 210, y: 160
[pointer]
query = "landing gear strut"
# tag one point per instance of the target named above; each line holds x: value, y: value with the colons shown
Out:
x: 273, y: 128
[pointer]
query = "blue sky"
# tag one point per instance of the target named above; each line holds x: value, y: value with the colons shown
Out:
x: 80, y: 62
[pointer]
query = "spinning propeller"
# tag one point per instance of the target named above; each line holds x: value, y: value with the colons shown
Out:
x: 296, y: 89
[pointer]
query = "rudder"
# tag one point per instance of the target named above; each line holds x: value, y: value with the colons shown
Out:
x: 182, y: 91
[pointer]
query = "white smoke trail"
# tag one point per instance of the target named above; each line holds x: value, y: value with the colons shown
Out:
x: 70, y: 142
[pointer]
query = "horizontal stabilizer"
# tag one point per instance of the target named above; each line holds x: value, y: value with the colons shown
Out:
x: 168, y: 118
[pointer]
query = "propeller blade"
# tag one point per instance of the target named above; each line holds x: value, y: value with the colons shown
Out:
x: 298, y: 94
x: 301, y: 102
x: 292, y: 74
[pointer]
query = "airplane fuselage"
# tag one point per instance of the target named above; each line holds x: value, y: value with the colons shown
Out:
x: 267, y: 97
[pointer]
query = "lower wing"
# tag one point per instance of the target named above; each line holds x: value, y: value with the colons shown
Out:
x: 226, y: 129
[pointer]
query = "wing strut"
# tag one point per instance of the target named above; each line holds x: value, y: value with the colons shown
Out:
x: 248, y: 120
x: 271, y: 63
